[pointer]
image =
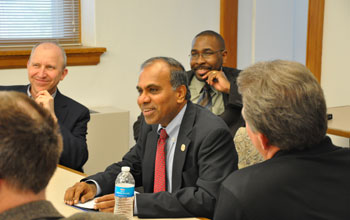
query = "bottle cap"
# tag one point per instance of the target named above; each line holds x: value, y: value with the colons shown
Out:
x: 125, y: 169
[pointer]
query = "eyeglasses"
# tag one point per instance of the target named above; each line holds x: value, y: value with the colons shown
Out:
x: 206, y: 54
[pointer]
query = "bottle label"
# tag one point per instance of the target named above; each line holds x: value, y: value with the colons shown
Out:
x: 121, y: 191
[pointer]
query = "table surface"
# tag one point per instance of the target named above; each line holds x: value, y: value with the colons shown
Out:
x: 64, y: 178
x: 340, y: 124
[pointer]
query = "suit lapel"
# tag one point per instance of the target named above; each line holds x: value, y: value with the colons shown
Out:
x: 60, y: 105
x: 150, y: 155
x: 182, y: 146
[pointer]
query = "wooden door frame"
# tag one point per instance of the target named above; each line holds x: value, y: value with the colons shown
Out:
x: 229, y: 27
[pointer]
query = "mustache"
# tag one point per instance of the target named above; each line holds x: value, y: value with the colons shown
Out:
x: 202, y: 67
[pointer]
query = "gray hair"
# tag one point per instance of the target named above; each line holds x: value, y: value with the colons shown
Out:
x: 284, y: 101
x: 178, y: 75
x: 64, y: 56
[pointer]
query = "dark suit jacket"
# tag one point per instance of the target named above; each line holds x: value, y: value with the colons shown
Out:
x: 310, y: 184
x: 43, y: 209
x: 209, y: 156
x: 232, y: 101
x: 72, y: 118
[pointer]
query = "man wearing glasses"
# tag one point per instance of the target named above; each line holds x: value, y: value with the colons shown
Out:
x: 214, y: 86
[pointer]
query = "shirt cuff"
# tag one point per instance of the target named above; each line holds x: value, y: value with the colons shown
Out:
x: 135, y: 206
x: 98, y: 188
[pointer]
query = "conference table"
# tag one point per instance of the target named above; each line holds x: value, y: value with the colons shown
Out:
x: 64, y: 178
x: 340, y: 123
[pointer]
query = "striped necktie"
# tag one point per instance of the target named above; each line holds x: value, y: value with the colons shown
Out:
x: 205, y: 97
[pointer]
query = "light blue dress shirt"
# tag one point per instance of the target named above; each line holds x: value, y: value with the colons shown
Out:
x: 172, y: 130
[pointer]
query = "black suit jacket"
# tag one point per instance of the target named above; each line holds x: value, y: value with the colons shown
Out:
x: 232, y: 101
x: 310, y: 184
x: 72, y: 118
x: 209, y: 156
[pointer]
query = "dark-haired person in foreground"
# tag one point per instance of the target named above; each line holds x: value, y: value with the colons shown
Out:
x: 304, y: 176
x: 46, y: 67
x: 199, y: 151
x: 30, y: 147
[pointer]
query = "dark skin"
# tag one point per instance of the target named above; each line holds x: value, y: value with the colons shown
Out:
x: 160, y: 103
x: 84, y: 192
x: 207, y: 65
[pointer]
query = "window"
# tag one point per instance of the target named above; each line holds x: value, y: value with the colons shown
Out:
x: 26, y: 22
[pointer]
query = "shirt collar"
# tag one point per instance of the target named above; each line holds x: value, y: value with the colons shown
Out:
x: 174, y: 125
x: 30, y: 94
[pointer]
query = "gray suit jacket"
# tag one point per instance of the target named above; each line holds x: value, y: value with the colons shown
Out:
x: 45, y: 210
x: 209, y: 156
x: 72, y: 118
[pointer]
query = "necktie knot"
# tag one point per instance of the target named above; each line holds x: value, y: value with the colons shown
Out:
x: 206, y: 88
x: 163, y: 135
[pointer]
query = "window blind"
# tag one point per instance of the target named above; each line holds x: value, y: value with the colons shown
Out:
x: 26, y: 22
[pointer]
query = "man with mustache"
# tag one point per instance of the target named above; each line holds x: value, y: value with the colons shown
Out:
x: 199, y: 151
x: 46, y: 68
x: 207, y: 57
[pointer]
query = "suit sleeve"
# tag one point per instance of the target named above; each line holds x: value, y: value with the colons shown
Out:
x: 216, y: 158
x: 232, y: 114
x: 75, y: 152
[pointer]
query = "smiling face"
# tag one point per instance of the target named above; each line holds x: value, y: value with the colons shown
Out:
x: 158, y: 101
x: 45, y: 68
x: 214, y: 59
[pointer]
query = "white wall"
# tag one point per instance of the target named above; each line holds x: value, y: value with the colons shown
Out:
x: 132, y: 31
x: 277, y: 29
x: 335, y: 76
x: 271, y: 29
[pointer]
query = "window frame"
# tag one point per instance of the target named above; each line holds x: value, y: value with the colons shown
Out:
x: 17, y: 56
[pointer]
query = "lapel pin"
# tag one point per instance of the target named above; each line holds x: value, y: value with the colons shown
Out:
x: 183, y: 147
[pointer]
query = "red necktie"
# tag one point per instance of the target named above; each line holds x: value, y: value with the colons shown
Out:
x: 159, y: 169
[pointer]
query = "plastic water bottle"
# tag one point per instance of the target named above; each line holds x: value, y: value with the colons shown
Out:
x: 124, y: 193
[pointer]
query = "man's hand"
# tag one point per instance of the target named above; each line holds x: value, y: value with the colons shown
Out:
x: 105, y: 203
x: 81, y: 191
x: 218, y: 80
x: 44, y: 99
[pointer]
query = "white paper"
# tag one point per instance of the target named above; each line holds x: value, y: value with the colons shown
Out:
x: 87, y: 205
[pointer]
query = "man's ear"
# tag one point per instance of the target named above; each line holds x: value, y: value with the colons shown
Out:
x: 64, y: 73
x: 264, y: 142
x: 181, y: 93
x: 224, y: 56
